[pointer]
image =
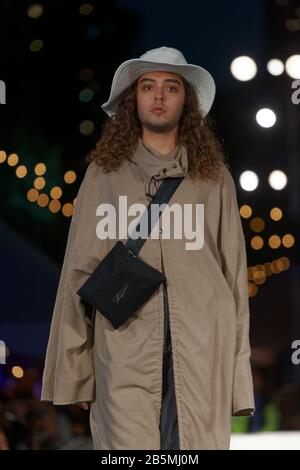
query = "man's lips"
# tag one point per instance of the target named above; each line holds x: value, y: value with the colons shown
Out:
x: 158, y: 109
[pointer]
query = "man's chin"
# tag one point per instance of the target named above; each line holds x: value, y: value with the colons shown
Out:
x: 158, y: 127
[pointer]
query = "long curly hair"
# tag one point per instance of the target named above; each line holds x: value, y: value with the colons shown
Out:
x: 120, y: 133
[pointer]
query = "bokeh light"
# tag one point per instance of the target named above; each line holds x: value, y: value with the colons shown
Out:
x: 243, y: 68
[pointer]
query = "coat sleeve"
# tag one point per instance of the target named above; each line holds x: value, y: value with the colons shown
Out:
x: 69, y: 372
x: 234, y: 263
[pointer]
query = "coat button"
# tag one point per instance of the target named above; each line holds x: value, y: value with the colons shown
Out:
x: 160, y: 231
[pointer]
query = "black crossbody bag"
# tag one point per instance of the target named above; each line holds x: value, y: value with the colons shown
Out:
x: 122, y: 282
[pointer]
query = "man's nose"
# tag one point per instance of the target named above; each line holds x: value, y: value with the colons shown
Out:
x: 159, y: 94
x: 159, y: 97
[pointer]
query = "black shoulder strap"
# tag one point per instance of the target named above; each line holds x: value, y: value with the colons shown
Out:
x: 164, y: 193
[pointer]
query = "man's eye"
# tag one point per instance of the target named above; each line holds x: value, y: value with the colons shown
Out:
x: 172, y: 88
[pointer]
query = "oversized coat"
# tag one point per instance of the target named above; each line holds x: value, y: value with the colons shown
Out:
x: 120, y: 370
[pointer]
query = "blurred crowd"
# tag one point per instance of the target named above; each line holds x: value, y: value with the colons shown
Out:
x: 276, y: 385
x: 28, y: 423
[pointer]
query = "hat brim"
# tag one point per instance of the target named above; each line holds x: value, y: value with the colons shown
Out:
x: 132, y: 69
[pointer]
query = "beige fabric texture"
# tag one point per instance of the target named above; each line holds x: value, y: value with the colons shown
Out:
x: 120, y: 371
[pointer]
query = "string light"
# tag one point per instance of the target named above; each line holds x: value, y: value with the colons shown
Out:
x: 257, y: 275
x: 2, y: 156
x: 268, y: 269
x: 17, y: 372
x: 40, y: 169
x: 86, y: 9
x: 86, y: 95
x: 43, y: 200
x: 274, y: 241
x: 260, y: 277
x: 35, y: 11
x: 257, y: 224
x: 86, y: 127
x: 36, y: 45
x: 13, y: 159
x: 39, y: 182
x: 32, y: 195
x: 67, y: 209
x: 54, y: 206
x: 70, y: 177
x: 288, y: 240
x: 21, y: 171
x: 276, y: 213
x: 275, y: 268
x: 252, y: 289
x: 245, y: 211
x: 257, y: 243
x: 56, y: 192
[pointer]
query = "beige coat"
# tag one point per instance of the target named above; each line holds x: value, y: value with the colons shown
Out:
x: 120, y: 371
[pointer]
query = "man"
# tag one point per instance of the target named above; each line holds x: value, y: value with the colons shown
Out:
x: 175, y: 372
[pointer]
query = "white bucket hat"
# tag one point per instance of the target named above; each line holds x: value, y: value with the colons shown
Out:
x: 164, y: 59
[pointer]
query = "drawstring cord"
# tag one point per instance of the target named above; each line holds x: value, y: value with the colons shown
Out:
x: 156, y: 183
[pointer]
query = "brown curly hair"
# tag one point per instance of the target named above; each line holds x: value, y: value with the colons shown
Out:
x: 120, y: 135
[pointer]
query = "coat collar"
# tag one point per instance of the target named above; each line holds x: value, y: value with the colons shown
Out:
x: 155, y: 164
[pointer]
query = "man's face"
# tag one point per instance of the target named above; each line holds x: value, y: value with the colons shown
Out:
x: 160, y: 100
